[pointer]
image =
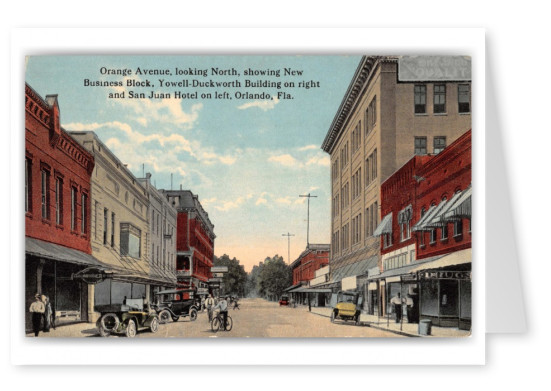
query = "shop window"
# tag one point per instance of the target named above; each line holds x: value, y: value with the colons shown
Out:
x: 420, y: 144
x: 420, y: 98
x: 464, y: 98
x: 429, y: 298
x: 465, y: 299
x: 439, y: 98
x: 449, y: 292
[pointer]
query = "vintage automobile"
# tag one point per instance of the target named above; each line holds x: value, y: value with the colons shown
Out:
x: 284, y: 300
x: 127, y: 318
x: 171, y: 304
x: 346, y: 307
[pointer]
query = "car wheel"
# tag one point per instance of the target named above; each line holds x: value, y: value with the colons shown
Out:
x: 175, y: 318
x: 164, y: 316
x: 109, y: 322
x: 103, y: 332
x: 131, y: 329
x: 193, y: 315
x: 333, y: 317
x: 154, y: 326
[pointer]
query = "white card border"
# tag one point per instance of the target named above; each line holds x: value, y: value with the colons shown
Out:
x: 466, y: 351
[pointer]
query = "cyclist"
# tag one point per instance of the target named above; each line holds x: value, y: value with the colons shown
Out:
x: 223, y: 307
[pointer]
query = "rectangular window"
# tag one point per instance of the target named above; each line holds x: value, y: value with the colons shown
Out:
x: 28, y: 185
x: 105, y: 213
x: 45, y: 195
x: 58, y: 201
x: 420, y: 146
x: 112, y: 229
x: 458, y: 228
x: 130, y: 238
x: 96, y: 207
x: 464, y: 98
x: 374, y: 163
x: 420, y: 99
x: 439, y: 98
x: 83, y: 212
x: 444, y: 233
x: 432, y: 236
x: 73, y: 208
x: 367, y: 178
x: 439, y: 144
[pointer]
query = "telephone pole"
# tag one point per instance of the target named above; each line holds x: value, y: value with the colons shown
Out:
x: 308, y: 218
x: 288, y: 245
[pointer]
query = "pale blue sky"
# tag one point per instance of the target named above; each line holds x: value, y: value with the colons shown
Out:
x: 247, y: 159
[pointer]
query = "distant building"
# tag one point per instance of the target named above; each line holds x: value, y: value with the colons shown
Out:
x: 194, y: 241
x: 57, y: 212
x: 394, y: 108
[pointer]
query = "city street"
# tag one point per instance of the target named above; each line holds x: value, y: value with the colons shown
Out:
x: 255, y: 318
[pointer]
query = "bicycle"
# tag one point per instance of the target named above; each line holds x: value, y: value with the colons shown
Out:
x: 217, y: 321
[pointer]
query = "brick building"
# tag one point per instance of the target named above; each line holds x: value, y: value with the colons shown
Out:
x: 57, y: 211
x: 194, y: 240
x: 426, y: 237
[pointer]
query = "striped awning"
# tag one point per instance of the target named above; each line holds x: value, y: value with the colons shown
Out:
x: 462, y: 207
x: 425, y: 223
x: 385, y: 227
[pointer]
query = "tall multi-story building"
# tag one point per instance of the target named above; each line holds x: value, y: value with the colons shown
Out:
x: 57, y: 212
x: 394, y: 108
x: 162, y: 234
x: 119, y: 228
x: 194, y: 240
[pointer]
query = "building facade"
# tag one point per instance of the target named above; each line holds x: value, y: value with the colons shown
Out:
x: 57, y: 211
x: 194, y: 241
x: 119, y: 229
x: 426, y: 237
x: 390, y: 113
x: 162, y: 234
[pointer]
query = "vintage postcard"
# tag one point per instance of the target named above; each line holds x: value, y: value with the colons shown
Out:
x: 187, y: 196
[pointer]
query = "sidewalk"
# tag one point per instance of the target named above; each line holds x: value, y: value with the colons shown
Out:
x: 406, y: 329
x: 74, y: 330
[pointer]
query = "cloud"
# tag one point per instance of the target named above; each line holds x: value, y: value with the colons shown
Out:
x: 286, y: 160
x: 286, y: 200
x: 308, y: 147
x: 227, y: 205
x: 261, y: 201
x: 319, y: 160
x: 263, y: 105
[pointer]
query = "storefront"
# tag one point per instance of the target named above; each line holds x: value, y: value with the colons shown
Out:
x: 50, y: 270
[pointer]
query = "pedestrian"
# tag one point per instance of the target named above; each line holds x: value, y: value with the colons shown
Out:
x: 48, y: 322
x: 235, y: 304
x: 37, y: 311
x: 309, y: 304
x: 210, y: 305
x: 409, y: 308
x: 396, y: 301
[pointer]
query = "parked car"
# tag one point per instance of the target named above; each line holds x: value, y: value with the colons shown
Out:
x: 127, y: 318
x: 170, y: 304
x: 284, y: 300
x: 346, y: 307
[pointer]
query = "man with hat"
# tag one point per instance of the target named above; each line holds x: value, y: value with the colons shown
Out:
x: 37, y: 310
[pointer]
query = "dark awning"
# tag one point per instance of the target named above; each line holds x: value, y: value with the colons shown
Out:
x: 56, y: 252
x: 311, y: 290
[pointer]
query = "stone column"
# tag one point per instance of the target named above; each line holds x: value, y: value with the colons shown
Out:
x: 92, y: 315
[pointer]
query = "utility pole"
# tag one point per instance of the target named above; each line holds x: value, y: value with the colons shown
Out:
x: 308, y: 218
x: 288, y: 245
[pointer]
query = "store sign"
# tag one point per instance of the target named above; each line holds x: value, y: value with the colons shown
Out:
x: 90, y: 275
x: 409, y: 277
x: 445, y: 275
x: 434, y: 68
x: 219, y: 269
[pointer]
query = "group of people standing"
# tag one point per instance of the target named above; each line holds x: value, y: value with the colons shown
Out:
x: 42, y: 314
x: 411, y: 308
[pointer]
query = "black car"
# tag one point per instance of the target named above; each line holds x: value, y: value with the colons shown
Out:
x: 171, y: 304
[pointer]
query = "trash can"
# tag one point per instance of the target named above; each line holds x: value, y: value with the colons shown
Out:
x: 425, y: 326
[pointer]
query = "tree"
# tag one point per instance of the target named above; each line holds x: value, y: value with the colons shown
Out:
x: 235, y: 279
x: 273, y: 277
